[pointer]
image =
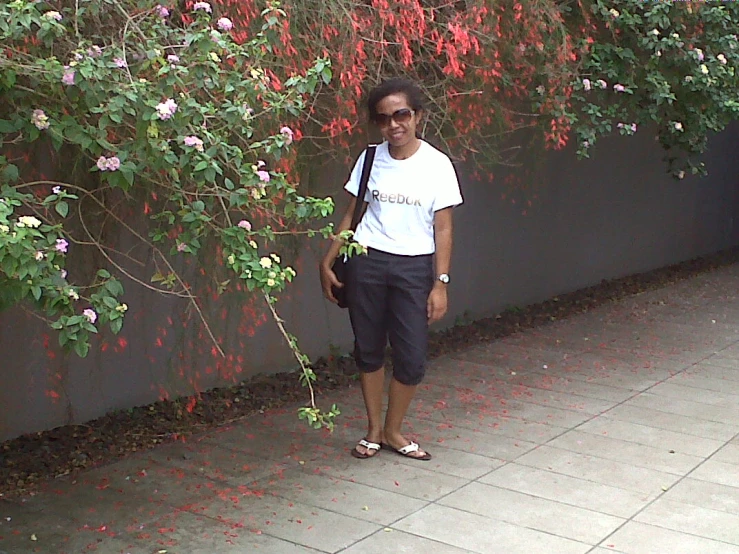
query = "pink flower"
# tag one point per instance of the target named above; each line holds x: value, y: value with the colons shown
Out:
x: 64, y: 273
x: 181, y: 247
x: 68, y: 77
x: 619, y: 88
x: 162, y: 11
x: 61, y: 246
x: 94, y: 51
x: 204, y: 6
x: 108, y: 164
x: 225, y: 24
x: 194, y: 142
x: 120, y: 62
x: 602, y: 83
x: 90, y: 314
x: 166, y: 109
x: 57, y: 190
x: 264, y: 176
x: 40, y: 120
x: 244, y: 224
x: 586, y: 84
x: 113, y: 163
x: 288, y: 133
x: 172, y: 58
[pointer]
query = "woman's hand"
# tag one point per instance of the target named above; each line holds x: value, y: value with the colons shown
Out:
x: 436, y: 305
x: 328, y: 279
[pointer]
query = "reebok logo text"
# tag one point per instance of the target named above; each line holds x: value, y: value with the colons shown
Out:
x: 395, y: 198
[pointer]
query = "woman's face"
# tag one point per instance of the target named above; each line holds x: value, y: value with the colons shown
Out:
x: 396, y: 120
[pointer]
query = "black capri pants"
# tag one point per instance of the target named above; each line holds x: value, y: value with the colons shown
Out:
x: 387, y: 296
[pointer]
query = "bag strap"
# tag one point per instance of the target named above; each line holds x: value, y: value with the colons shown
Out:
x: 369, y: 157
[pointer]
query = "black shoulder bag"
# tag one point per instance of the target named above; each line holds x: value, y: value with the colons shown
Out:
x: 339, y: 267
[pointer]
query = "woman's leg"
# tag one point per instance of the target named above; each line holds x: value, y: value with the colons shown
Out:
x: 373, y: 385
x: 412, y: 280
x: 400, y: 397
x: 367, y: 299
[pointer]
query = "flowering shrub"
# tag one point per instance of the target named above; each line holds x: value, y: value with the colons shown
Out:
x: 669, y: 66
x: 151, y: 107
x: 587, y: 66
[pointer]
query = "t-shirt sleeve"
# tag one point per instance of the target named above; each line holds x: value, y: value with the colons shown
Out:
x: 448, y: 193
x: 352, y: 185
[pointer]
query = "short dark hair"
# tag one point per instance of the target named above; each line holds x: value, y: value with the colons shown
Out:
x: 396, y: 85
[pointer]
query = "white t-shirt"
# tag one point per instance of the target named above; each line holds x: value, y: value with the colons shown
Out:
x: 402, y: 197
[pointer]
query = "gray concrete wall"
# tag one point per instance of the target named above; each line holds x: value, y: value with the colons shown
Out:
x: 613, y: 215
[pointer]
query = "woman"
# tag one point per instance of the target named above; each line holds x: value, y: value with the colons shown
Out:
x: 400, y: 286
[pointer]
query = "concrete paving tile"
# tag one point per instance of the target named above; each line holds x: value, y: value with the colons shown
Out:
x: 720, y: 414
x: 495, y: 446
x: 706, y: 495
x: 604, y: 359
x: 123, y: 495
x: 723, y: 361
x: 671, y: 422
x: 416, y: 481
x: 627, y: 452
x: 481, y: 534
x: 712, y: 524
x: 599, y: 470
x: 533, y: 512
x: 729, y: 454
x: 672, y: 389
x: 217, y: 463
x: 53, y: 532
x: 566, y: 401
x: 291, y: 521
x: 717, y: 472
x: 705, y: 382
x: 593, y: 496
x: 429, y: 435
x: 714, y: 371
x: 392, y: 540
x: 651, y: 436
x: 66, y: 542
x: 185, y: 532
x: 346, y: 497
x: 571, y: 385
x: 512, y: 359
x: 539, y: 413
x: 437, y: 427
x: 640, y: 538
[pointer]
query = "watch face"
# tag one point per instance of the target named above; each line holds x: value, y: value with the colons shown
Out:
x: 444, y: 278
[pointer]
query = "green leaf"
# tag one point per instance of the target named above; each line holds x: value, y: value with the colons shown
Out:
x: 116, y: 326
x: 201, y: 166
x: 62, y: 208
x: 82, y: 348
x: 7, y: 126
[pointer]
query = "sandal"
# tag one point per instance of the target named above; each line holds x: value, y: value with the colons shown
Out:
x: 369, y: 446
x: 409, y: 449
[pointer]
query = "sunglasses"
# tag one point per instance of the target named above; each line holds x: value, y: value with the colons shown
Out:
x: 400, y: 117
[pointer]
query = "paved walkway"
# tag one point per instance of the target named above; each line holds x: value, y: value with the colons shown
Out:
x: 613, y: 431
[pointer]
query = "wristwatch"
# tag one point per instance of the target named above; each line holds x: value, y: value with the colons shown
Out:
x: 444, y: 278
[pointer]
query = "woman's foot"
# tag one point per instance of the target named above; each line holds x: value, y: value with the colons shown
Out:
x: 367, y: 447
x: 405, y: 447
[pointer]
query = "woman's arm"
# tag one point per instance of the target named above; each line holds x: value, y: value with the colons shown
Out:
x: 438, y: 303
x: 328, y: 277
